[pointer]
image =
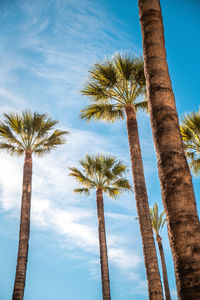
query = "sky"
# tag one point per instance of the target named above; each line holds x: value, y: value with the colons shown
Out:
x: 46, y: 49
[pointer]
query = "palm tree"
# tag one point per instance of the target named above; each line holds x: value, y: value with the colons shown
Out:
x: 190, y: 130
x: 104, y: 174
x: 175, y: 179
x: 114, y: 88
x: 158, y: 222
x: 27, y: 134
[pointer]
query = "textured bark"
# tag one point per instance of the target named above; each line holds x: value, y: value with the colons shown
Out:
x: 22, y: 258
x: 164, y: 268
x: 149, y: 249
x: 176, y: 184
x: 103, y: 247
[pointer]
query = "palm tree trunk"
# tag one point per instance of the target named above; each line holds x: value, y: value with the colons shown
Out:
x: 103, y: 247
x: 149, y: 249
x: 175, y: 179
x: 20, y: 277
x: 164, y: 268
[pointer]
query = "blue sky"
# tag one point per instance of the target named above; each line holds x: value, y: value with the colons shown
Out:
x: 46, y: 49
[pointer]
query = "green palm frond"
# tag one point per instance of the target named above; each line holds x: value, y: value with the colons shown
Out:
x: 119, y: 168
x: 81, y: 178
x: 14, y: 121
x: 190, y: 131
x: 122, y: 183
x: 195, y: 166
x: 157, y: 220
x: 112, y: 85
x: 143, y: 105
x: 112, y: 192
x: 29, y: 131
x: 104, y: 74
x: 82, y: 191
x: 7, y: 136
x: 102, y: 111
x: 124, y: 65
x: 95, y: 91
x: 102, y: 171
x: 138, y: 72
x: 11, y: 149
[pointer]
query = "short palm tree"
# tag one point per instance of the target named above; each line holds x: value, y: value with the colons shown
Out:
x: 26, y: 134
x: 104, y: 174
x: 190, y: 130
x: 115, y: 88
x: 158, y: 222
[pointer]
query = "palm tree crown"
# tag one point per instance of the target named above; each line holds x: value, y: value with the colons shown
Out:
x: 101, y: 172
x: 190, y: 130
x: 156, y: 219
x: 113, y: 85
x: 29, y: 131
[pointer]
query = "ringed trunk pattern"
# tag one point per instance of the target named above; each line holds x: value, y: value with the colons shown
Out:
x: 103, y: 246
x: 149, y: 249
x: 164, y: 268
x: 22, y: 258
x: 175, y: 179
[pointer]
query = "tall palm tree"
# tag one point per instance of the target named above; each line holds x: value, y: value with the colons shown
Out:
x: 104, y: 174
x: 114, y: 88
x: 27, y: 134
x: 175, y: 179
x: 190, y: 130
x: 158, y: 222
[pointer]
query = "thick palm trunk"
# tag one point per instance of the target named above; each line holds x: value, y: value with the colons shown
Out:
x: 103, y: 247
x: 20, y: 277
x: 164, y: 268
x: 149, y: 249
x: 176, y: 184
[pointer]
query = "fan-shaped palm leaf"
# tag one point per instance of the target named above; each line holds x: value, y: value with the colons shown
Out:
x: 190, y: 130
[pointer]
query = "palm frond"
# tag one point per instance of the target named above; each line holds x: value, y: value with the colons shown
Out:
x: 122, y: 183
x: 81, y: 178
x: 157, y: 220
x: 190, y: 131
x: 7, y: 136
x: 48, y: 143
x: 142, y: 105
x: 95, y: 91
x: 119, y: 80
x: 195, y: 166
x: 102, y: 171
x: 30, y: 131
x: 82, y: 191
x: 138, y: 72
x: 101, y: 111
x: 104, y: 74
x: 13, y: 121
x: 112, y: 192
x: 119, y: 168
x: 124, y: 65
x: 11, y: 149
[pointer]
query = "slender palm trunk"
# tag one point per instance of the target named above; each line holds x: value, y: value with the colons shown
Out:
x: 164, y: 268
x: 20, y: 277
x: 149, y: 249
x: 176, y: 184
x: 103, y: 247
